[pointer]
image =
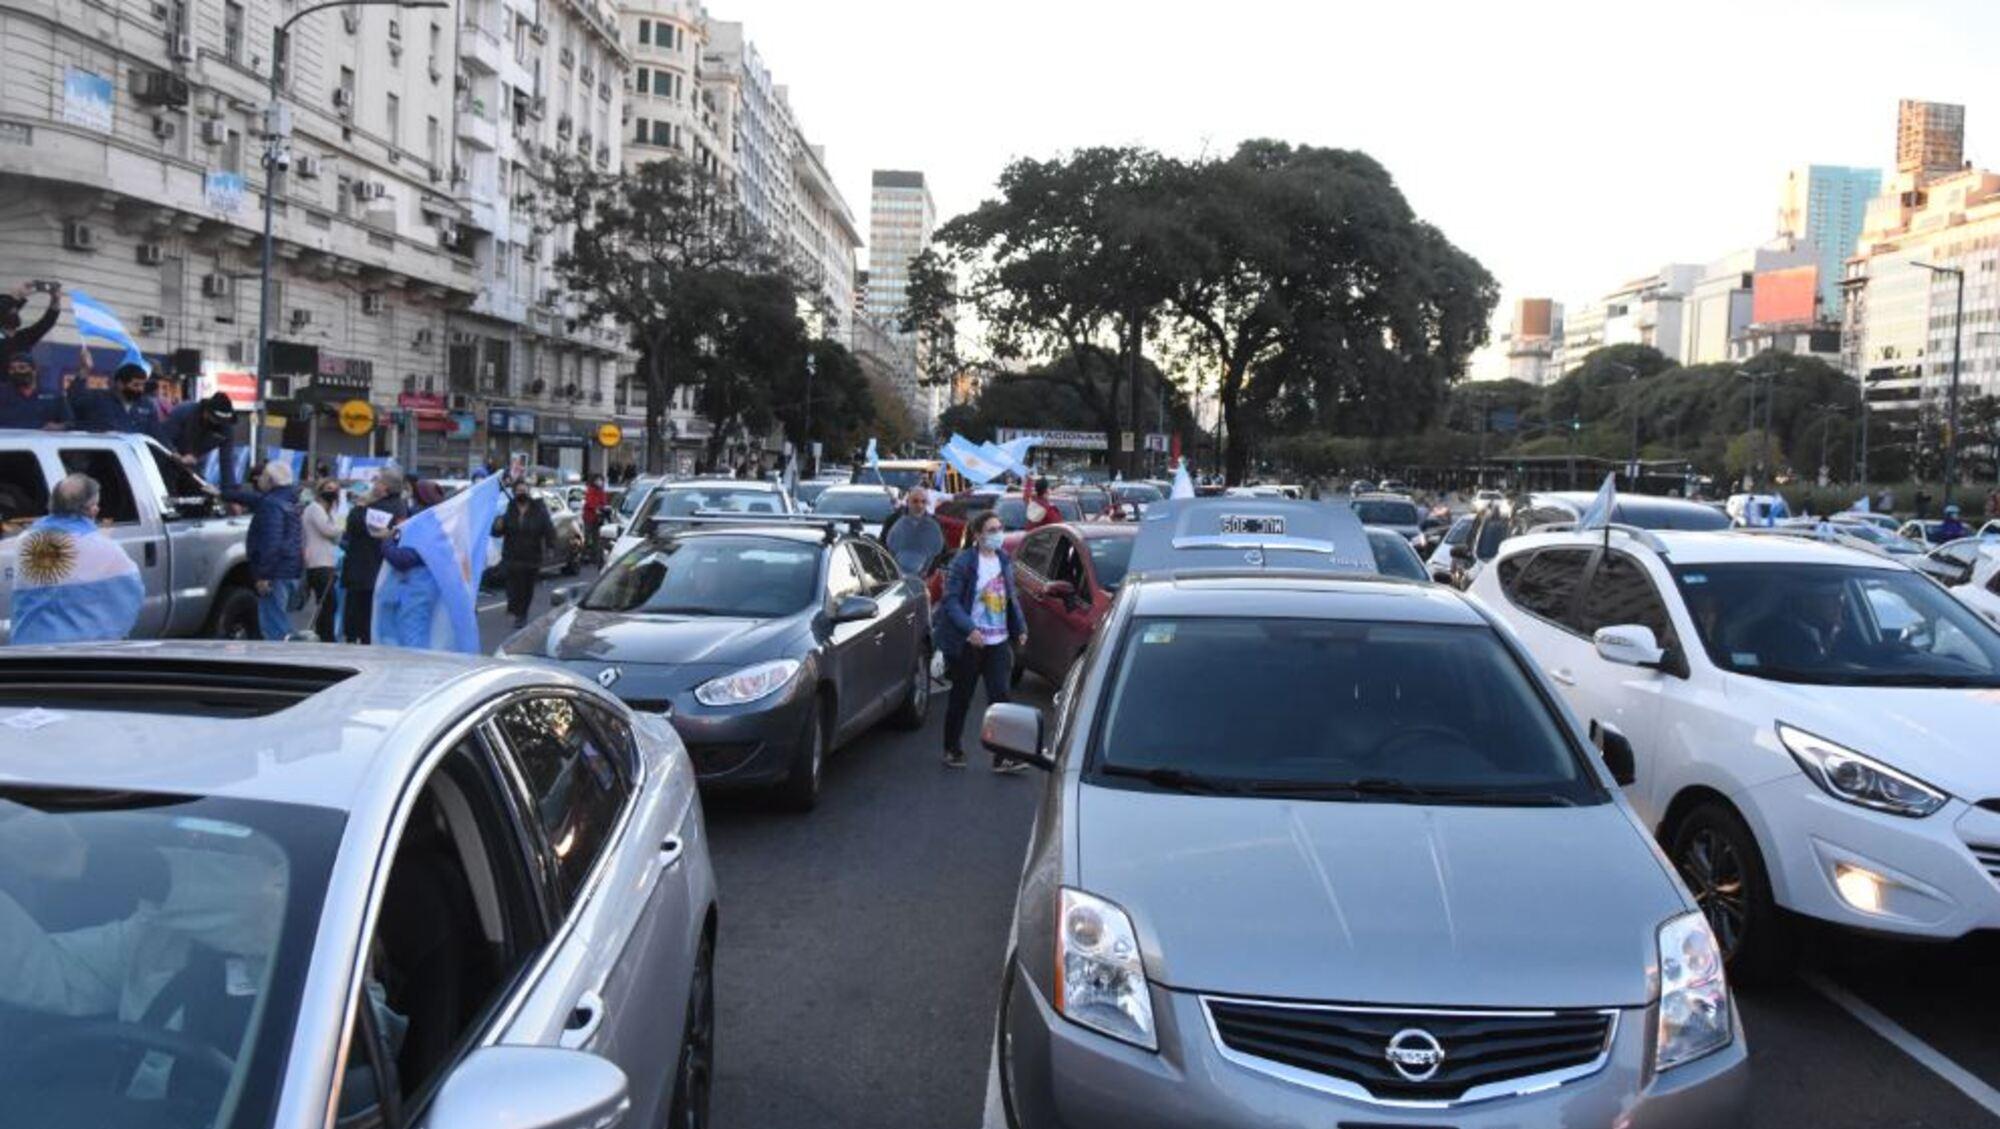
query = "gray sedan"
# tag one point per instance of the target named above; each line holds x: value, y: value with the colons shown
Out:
x: 767, y: 642
x: 267, y: 886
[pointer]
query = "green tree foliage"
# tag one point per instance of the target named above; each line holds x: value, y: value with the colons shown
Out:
x: 1047, y: 398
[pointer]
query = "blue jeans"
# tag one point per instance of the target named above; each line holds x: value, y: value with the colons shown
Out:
x: 274, y: 609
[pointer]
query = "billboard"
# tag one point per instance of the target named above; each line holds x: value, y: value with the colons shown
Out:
x: 1786, y: 296
x: 1534, y: 317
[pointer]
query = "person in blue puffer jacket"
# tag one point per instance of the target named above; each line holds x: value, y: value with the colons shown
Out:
x: 275, y: 546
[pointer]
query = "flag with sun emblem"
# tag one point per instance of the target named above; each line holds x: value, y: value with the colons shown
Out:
x: 73, y: 584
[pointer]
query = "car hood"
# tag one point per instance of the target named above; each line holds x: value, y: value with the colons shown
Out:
x: 574, y: 634
x: 1943, y: 736
x: 1383, y: 903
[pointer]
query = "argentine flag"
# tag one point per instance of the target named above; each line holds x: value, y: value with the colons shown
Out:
x: 72, y: 584
x: 972, y: 462
x: 95, y: 319
x: 452, y: 538
x: 1183, y: 485
x: 1598, y: 515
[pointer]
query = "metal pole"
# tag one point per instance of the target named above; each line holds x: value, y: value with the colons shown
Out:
x: 273, y: 153
x: 1951, y: 397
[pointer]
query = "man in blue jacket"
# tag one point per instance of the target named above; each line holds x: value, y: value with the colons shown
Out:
x: 276, y: 546
x: 200, y: 426
x: 978, y: 618
x: 125, y: 407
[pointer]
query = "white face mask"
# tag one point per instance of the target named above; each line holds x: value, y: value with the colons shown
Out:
x: 991, y: 541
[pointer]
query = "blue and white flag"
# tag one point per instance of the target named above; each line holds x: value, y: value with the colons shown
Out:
x: 95, y: 319
x: 972, y: 461
x: 452, y: 538
x: 211, y: 464
x: 1007, y: 458
x: 1598, y: 516
x: 874, y: 460
x: 1183, y: 485
x: 1861, y: 507
x: 72, y: 584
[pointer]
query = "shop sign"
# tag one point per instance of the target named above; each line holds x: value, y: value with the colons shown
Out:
x: 357, y: 418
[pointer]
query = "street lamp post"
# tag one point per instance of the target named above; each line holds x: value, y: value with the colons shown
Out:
x: 277, y: 134
x: 1951, y: 394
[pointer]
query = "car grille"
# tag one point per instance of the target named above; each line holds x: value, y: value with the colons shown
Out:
x: 1988, y: 856
x: 1484, y: 1054
x: 649, y: 705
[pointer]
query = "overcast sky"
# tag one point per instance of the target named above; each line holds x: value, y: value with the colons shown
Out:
x: 1568, y: 145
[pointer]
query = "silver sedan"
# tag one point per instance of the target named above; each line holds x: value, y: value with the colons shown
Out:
x: 251, y: 886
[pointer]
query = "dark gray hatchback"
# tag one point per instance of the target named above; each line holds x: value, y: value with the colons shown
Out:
x: 1323, y: 848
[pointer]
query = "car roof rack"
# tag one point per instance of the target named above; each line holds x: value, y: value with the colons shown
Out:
x: 830, y: 524
x: 1252, y: 535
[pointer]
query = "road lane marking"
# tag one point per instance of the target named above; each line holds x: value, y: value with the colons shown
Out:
x: 1966, y: 1082
x: 494, y: 606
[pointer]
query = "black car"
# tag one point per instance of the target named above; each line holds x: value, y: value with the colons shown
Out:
x: 766, y: 642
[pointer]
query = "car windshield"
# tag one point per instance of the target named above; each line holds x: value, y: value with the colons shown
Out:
x: 713, y: 574
x: 686, y: 501
x: 1491, y: 532
x: 1666, y: 515
x: 1395, y: 557
x: 628, y: 504
x: 1425, y: 713
x: 1876, y: 535
x: 1137, y: 492
x: 1837, y: 625
x: 155, y: 949
x: 1387, y: 513
x: 1089, y: 503
x: 873, y: 503
x: 1459, y: 531
x: 1109, y: 558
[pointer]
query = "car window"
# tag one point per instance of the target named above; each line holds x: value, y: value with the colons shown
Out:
x: 1395, y: 557
x: 1402, y: 712
x: 878, y: 568
x: 576, y: 786
x: 124, y: 911
x: 1013, y: 513
x: 1619, y: 593
x: 1037, y: 552
x: 1459, y: 533
x: 1486, y: 539
x: 1546, y: 587
x: 713, y: 574
x: 1109, y: 559
x: 1066, y: 564
x: 459, y: 923
x: 843, y: 576
x: 1386, y: 513
x: 115, y: 503
x: 686, y: 501
x: 24, y: 491
x: 1509, y: 570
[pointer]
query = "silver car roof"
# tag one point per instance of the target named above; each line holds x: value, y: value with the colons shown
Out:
x: 367, y: 730
x: 1300, y: 596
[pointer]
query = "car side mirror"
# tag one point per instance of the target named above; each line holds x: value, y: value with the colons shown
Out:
x: 1617, y: 753
x: 1462, y: 552
x: 518, y: 1087
x: 1014, y: 732
x: 562, y: 597
x: 853, y: 609
x: 1628, y: 644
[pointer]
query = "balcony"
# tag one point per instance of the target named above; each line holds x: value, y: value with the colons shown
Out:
x: 476, y: 126
x: 480, y: 50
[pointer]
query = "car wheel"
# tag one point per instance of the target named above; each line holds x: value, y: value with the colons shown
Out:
x: 1718, y: 859
x: 917, y: 701
x: 1003, y: 1051
x: 695, y: 1073
x: 800, y: 791
x: 235, y: 614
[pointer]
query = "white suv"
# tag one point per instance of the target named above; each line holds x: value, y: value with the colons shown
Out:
x: 1805, y: 727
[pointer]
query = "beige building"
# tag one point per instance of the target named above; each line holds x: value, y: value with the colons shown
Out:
x: 1534, y: 334
x: 901, y: 218
x: 1930, y: 137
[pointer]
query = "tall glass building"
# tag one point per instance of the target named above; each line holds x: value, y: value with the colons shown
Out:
x: 1823, y: 207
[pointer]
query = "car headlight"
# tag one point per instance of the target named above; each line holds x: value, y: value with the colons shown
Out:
x: 747, y: 685
x: 1694, y: 997
x: 1847, y: 775
x: 1100, y: 981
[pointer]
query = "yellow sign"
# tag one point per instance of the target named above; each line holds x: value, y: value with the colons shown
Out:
x: 356, y: 417
x: 609, y: 435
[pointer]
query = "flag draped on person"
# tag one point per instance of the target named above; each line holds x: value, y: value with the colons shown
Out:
x: 1183, y: 485
x: 452, y: 537
x: 94, y: 319
x: 72, y: 584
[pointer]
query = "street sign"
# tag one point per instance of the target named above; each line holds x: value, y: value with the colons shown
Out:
x: 609, y: 436
x: 357, y: 418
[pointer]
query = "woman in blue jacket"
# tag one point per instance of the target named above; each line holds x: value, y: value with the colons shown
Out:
x: 978, y: 619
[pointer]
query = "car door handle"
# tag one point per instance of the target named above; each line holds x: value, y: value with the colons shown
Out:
x: 671, y: 850
x: 1563, y: 676
x: 152, y: 554
x: 584, y: 1020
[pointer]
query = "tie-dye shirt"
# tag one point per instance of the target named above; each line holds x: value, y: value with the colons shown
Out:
x: 989, y: 600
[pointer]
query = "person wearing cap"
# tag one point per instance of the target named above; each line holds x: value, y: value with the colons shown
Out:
x: 199, y: 427
x: 1951, y: 529
x: 127, y: 407
x: 275, y: 545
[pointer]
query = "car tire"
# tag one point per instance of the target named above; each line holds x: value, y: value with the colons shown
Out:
x: 916, y: 705
x: 1717, y: 856
x: 234, y: 615
x: 1003, y: 1065
x: 800, y: 791
x: 694, y: 1074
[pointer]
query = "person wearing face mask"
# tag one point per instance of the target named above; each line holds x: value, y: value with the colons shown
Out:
x: 526, y: 532
x: 914, y: 537
x: 977, y: 619
x: 23, y: 402
x: 361, y: 568
x: 200, y: 426
x: 323, y: 529
x: 275, y: 546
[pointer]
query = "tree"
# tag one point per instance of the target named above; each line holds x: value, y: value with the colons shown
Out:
x: 662, y: 249
x: 842, y: 409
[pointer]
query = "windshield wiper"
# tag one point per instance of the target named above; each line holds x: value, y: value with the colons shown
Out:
x: 1177, y: 779
x: 1376, y: 787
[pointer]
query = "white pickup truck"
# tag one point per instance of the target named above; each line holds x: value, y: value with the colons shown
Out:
x: 190, y: 553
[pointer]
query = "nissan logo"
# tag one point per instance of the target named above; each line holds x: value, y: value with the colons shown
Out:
x: 1415, y: 1054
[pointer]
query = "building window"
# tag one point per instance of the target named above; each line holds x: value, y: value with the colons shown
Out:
x: 394, y: 107
x: 645, y: 31
x: 642, y: 136
x: 433, y: 140
x: 232, y: 32
x: 663, y: 84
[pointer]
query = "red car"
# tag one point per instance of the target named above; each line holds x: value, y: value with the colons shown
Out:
x: 1066, y: 576
x: 1012, y: 508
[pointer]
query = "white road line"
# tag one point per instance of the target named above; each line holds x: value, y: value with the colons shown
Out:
x: 1926, y: 1055
x: 495, y: 604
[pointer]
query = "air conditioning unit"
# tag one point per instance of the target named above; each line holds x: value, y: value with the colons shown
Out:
x: 307, y: 167
x: 77, y: 236
x: 423, y: 339
x: 150, y: 255
x: 370, y: 190
x: 160, y: 88
x: 343, y: 101
x: 371, y: 302
x: 460, y: 337
x: 165, y: 128
x: 181, y: 46
x: 301, y: 317
x: 214, y: 131
x: 572, y: 391
x: 215, y: 286
x: 151, y: 323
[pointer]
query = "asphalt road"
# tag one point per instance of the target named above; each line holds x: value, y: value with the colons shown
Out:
x: 861, y: 949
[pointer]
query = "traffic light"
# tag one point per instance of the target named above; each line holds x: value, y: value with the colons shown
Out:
x: 1576, y: 423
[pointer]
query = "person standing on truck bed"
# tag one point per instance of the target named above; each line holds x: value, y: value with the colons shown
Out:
x: 200, y: 426
x: 276, y: 546
x: 126, y: 407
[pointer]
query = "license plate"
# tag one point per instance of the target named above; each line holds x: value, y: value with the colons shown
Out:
x: 1265, y: 524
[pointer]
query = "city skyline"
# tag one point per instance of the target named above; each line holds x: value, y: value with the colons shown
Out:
x: 1517, y: 183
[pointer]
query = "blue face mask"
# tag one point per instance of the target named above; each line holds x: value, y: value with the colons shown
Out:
x: 991, y: 541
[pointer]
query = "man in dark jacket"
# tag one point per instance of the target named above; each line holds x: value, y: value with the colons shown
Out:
x: 126, y: 407
x: 363, y: 562
x: 16, y: 341
x: 276, y: 546
x: 200, y: 426
x: 526, y: 532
